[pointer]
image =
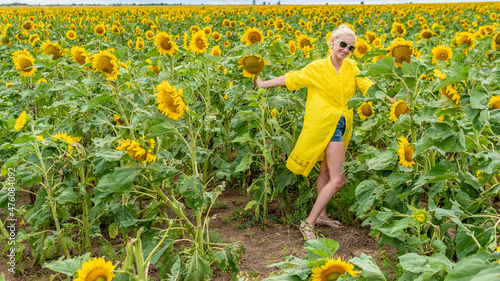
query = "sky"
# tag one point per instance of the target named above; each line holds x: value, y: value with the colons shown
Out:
x: 224, y: 2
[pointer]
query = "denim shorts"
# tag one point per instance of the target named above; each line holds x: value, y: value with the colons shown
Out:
x: 339, y: 131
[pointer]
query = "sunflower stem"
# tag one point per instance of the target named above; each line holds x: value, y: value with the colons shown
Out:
x: 52, y: 203
x: 85, y: 216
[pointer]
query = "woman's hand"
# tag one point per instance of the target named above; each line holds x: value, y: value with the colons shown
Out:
x: 259, y: 82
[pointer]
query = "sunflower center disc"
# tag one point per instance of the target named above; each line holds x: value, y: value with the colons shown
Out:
x: 402, y: 53
x: 100, y: 278
x: 367, y: 111
x: 333, y: 276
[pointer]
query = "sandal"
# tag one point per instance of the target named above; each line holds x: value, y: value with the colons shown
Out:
x: 307, y: 231
x: 330, y: 223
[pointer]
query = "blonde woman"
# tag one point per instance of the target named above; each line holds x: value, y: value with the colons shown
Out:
x: 327, y: 125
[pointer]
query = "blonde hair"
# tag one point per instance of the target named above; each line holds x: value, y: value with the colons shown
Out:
x: 343, y: 29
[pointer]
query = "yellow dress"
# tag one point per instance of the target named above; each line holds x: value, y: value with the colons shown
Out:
x: 327, y: 96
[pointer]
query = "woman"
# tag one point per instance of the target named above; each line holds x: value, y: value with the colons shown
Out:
x: 327, y: 126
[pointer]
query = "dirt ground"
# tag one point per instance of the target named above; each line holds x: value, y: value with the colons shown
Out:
x: 264, y: 246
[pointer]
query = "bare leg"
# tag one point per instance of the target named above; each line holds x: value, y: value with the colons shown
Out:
x: 323, y: 179
x: 335, y: 157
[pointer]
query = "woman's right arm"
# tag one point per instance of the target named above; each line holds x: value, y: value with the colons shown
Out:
x: 276, y: 82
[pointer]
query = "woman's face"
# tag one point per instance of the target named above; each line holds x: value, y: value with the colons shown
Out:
x: 339, y: 52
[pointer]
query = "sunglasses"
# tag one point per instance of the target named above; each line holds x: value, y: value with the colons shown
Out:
x: 343, y: 44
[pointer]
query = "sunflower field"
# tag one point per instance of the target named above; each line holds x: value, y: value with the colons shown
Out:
x: 129, y: 122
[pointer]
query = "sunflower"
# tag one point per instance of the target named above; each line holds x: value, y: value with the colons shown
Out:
x: 79, y: 55
x: 150, y: 34
x: 96, y: 269
x: 441, y: 53
x: 425, y: 34
x: 24, y: 62
x: 53, y: 49
x: 495, y: 42
x: 33, y: 39
x: 170, y: 101
x: 292, y: 47
x: 494, y: 102
x: 362, y: 47
x: 154, y: 68
x: 215, y: 51
x: 402, y: 50
x: 100, y: 29
x: 20, y: 121
x: 252, y: 35
x: 465, y: 38
x: 332, y: 269
x: 406, y: 152
x: 165, y: 44
x: 304, y: 41
x: 398, y: 29
x: 398, y: 108
x: 216, y: 36
x: 252, y: 64
x: 27, y: 26
x: 377, y: 43
x: 207, y: 30
x: 451, y: 93
x: 67, y: 139
x: 198, y: 43
x: 278, y: 24
x: 106, y: 62
x: 71, y: 34
x: 139, y: 43
x: 420, y: 216
x: 138, y: 150
x: 225, y: 23
x: 365, y: 110
x: 370, y: 36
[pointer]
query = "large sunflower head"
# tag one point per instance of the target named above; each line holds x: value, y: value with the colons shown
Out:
x: 304, y: 41
x: 495, y: 42
x: 441, y: 53
x: 165, y: 44
x: 402, y: 50
x: 365, y: 110
x: 24, y: 62
x: 79, y: 55
x: 96, y: 269
x: 252, y: 35
x: 362, y: 47
x: 53, y: 49
x: 198, y: 43
x: 398, y: 108
x: 494, y: 102
x: 406, y: 152
x: 106, y: 62
x: 170, y: 101
x: 332, y: 270
x: 252, y: 65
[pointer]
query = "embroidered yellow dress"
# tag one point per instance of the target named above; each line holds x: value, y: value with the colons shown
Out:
x: 327, y: 96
